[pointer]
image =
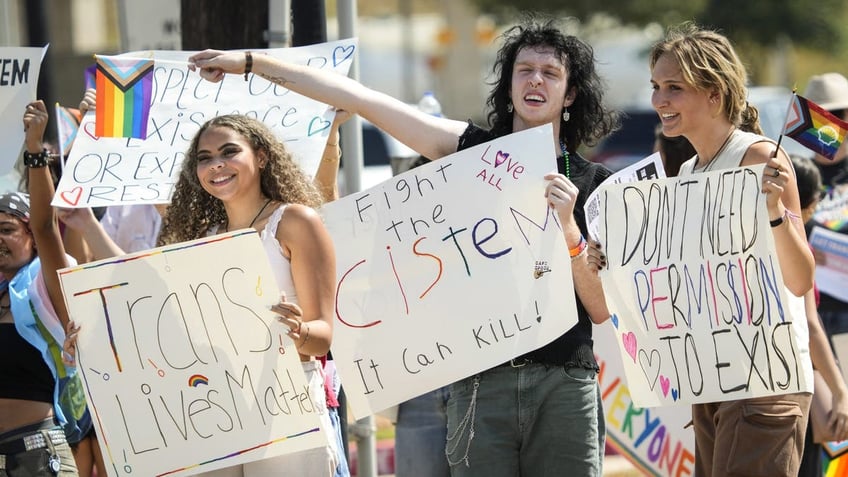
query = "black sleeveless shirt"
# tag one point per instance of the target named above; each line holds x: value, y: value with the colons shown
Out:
x: 23, y: 372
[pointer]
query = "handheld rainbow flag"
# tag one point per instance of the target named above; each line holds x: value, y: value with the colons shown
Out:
x: 67, y: 123
x: 124, y: 87
x: 814, y: 127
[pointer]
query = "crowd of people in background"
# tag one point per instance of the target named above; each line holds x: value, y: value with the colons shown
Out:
x: 534, y: 415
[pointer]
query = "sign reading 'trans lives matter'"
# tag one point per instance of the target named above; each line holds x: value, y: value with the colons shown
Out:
x: 185, y: 368
x: 700, y: 310
x: 447, y: 270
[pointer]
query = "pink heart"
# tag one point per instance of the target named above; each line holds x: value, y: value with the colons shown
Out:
x: 664, y: 384
x: 629, y: 340
x: 72, y: 196
x: 500, y: 158
x: 89, y: 129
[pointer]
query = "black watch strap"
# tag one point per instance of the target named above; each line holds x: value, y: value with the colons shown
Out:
x: 39, y: 159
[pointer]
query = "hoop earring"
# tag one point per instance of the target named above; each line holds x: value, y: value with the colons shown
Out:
x: 509, y: 107
x: 565, y: 114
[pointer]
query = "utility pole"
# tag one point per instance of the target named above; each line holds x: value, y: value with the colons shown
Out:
x: 223, y: 24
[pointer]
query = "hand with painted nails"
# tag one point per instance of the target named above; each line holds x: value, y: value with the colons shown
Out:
x: 596, y: 258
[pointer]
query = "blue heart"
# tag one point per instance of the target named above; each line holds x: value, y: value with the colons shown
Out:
x: 614, y: 319
x: 674, y: 394
x: 317, y: 125
x: 342, y: 53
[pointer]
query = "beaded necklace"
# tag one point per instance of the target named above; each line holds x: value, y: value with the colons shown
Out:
x: 566, y: 158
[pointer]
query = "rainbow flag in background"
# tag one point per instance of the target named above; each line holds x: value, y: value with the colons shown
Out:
x: 90, y: 75
x: 67, y: 123
x: 124, y: 87
x: 814, y: 127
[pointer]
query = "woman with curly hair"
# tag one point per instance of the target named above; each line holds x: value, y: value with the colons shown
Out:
x: 544, y: 77
x: 237, y: 175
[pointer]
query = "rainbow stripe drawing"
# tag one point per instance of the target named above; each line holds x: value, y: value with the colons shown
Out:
x: 124, y: 87
x: 815, y: 128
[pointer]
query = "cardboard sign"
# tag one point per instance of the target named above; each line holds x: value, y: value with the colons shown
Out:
x: 105, y: 171
x: 185, y: 368
x: 19, y: 69
x: 447, y: 270
x: 701, y: 312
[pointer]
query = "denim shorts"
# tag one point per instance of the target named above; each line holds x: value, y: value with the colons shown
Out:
x: 531, y: 420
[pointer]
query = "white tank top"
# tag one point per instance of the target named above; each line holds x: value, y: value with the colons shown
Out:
x: 730, y: 156
x: 280, y: 265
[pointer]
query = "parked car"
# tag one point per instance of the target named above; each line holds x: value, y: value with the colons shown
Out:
x: 635, y: 139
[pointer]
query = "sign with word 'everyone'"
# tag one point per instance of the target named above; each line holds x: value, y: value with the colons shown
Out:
x: 447, y: 270
x: 185, y: 368
x: 700, y: 310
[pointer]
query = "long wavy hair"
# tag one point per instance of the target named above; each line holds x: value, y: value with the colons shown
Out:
x: 708, y: 62
x: 193, y: 210
x: 590, y: 121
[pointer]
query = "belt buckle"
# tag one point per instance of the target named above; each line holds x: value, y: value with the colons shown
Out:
x: 519, y: 362
x: 34, y: 441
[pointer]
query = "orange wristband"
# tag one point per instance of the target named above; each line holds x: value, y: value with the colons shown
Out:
x: 578, y: 249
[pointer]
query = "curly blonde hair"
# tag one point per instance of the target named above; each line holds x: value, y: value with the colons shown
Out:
x: 708, y: 61
x: 193, y: 211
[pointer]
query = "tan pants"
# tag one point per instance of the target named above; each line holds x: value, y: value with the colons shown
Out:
x: 751, y: 437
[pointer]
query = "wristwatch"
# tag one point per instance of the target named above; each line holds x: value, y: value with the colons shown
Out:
x: 39, y: 159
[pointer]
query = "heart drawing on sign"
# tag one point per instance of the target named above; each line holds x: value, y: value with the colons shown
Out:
x: 650, y: 366
x: 89, y: 130
x: 342, y: 53
x: 664, y: 385
x: 629, y: 341
x: 500, y: 158
x: 72, y: 196
x: 317, y: 125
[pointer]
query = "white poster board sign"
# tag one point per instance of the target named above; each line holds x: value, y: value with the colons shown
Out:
x: 701, y: 313
x: 105, y: 171
x: 447, y: 270
x: 19, y: 69
x: 185, y: 368
x: 656, y: 440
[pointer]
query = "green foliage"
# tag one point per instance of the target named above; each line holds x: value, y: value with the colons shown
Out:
x: 813, y: 23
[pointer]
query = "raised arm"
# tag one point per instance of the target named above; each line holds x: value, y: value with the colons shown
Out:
x: 43, y: 222
x: 428, y: 135
x: 83, y: 222
x: 327, y: 175
x: 781, y: 189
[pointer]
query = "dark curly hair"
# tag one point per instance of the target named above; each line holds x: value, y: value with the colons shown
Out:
x: 591, y: 121
x: 193, y: 211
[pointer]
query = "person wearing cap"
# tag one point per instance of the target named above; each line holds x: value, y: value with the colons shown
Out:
x: 36, y: 413
x: 830, y: 91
